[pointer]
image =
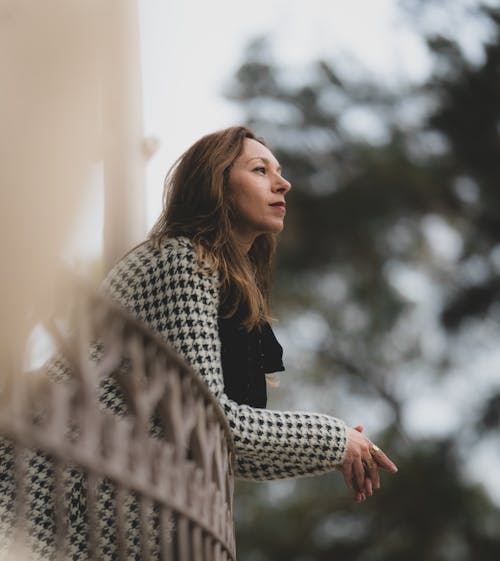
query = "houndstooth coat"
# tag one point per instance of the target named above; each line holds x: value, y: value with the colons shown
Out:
x: 169, y: 291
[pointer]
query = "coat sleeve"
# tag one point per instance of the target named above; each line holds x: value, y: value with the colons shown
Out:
x: 174, y: 296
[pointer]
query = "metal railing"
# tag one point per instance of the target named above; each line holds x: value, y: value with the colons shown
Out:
x: 116, y: 451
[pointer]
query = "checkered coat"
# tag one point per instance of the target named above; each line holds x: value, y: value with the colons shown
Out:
x: 169, y: 291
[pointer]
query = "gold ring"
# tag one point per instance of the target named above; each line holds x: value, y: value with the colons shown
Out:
x: 374, y: 449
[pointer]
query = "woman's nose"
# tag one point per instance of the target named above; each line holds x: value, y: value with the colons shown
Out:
x: 282, y: 185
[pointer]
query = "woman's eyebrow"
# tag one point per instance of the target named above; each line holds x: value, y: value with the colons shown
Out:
x: 266, y: 160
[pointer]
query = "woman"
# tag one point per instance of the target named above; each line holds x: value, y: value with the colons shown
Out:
x: 202, y: 281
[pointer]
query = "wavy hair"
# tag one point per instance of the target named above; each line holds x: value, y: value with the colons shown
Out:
x: 196, y: 205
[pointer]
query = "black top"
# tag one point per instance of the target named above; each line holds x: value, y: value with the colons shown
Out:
x: 246, y: 358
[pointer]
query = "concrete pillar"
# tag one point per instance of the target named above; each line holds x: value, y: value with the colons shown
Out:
x: 122, y: 125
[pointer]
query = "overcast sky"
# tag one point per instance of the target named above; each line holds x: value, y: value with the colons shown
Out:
x: 191, y: 49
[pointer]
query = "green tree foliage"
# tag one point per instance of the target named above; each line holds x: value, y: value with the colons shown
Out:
x: 363, y: 247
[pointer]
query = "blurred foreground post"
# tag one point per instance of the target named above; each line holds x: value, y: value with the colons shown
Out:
x: 70, y: 97
x: 124, y: 175
x: 49, y: 107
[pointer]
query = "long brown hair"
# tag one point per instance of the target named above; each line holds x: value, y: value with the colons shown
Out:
x: 197, y: 206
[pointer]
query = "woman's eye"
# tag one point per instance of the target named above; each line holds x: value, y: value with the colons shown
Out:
x: 260, y: 169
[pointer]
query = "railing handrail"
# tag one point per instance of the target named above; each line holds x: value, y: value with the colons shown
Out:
x: 186, y: 470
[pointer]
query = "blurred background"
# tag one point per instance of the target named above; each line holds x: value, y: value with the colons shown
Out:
x: 385, y: 115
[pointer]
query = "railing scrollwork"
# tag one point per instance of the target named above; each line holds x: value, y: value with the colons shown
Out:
x: 133, y: 453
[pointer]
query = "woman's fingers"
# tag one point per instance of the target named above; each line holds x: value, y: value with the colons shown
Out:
x: 372, y: 475
x: 359, y: 473
x: 347, y: 473
x: 361, y: 464
x: 360, y: 497
x: 382, y: 460
x: 368, y: 486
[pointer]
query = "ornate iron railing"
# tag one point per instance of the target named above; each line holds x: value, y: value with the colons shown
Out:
x: 116, y: 451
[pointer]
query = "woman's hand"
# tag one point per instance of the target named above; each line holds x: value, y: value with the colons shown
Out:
x: 362, y: 462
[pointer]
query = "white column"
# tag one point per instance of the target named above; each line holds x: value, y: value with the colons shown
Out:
x: 122, y: 124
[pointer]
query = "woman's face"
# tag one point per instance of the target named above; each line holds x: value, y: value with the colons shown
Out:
x: 257, y: 193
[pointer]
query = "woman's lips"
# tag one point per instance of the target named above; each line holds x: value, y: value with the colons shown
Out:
x: 281, y: 206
